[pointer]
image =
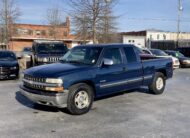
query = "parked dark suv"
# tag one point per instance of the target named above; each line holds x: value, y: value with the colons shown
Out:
x: 184, y: 61
x: 45, y: 52
x: 9, y: 67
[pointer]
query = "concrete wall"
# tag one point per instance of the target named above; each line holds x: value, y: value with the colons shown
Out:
x: 136, y: 40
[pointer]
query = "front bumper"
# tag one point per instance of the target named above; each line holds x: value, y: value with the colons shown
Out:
x: 11, y: 74
x: 45, y: 98
x: 176, y: 66
x: 185, y: 65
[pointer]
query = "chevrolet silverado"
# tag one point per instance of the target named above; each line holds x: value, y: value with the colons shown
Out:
x: 87, y: 72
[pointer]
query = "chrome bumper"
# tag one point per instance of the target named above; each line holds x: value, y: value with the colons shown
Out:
x: 176, y: 66
x: 58, y: 100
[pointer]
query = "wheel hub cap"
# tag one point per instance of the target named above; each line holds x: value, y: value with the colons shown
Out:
x: 82, y: 100
x: 159, y: 83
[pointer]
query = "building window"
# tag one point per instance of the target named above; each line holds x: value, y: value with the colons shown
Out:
x: 38, y: 32
x: 23, y: 31
x: 65, y: 33
x: 30, y: 32
x: 164, y: 36
x: 51, y: 32
x: 43, y: 32
x: 150, y: 37
x: 158, y: 37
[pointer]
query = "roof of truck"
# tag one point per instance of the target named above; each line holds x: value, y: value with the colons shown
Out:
x: 45, y: 41
x: 106, y: 45
x: 6, y: 51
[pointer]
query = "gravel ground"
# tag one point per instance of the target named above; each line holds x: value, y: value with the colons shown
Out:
x: 135, y: 114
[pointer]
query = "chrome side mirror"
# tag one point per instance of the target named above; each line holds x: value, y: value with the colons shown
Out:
x: 107, y: 62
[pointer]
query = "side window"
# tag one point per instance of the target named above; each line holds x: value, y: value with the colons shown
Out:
x: 130, y: 54
x: 113, y: 54
x: 146, y: 52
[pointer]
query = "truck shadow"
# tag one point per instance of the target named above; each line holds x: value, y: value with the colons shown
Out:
x: 24, y: 101
x: 139, y: 90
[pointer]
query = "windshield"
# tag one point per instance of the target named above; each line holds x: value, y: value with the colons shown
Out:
x: 158, y: 52
x: 82, y: 55
x: 51, y: 48
x: 7, y: 56
x: 27, y: 49
x: 178, y: 54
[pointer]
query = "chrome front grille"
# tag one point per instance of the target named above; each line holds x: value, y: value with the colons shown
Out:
x: 34, y: 79
x: 53, y: 59
x: 4, y: 70
x: 34, y: 82
x: 34, y: 86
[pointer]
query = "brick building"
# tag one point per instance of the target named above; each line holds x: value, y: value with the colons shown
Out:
x: 23, y: 35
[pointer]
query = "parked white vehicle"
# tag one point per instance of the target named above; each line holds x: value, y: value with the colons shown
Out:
x: 160, y: 53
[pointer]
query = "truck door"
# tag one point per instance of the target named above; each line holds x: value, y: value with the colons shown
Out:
x: 111, y: 78
x: 134, y: 69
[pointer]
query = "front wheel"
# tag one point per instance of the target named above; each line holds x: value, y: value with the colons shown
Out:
x: 158, y: 84
x: 80, y: 99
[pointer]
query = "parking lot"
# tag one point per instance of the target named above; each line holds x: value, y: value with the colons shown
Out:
x: 136, y: 114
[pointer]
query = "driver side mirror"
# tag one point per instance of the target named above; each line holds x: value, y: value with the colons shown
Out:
x: 107, y: 62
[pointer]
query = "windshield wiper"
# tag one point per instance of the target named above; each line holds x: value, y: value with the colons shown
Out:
x: 74, y: 61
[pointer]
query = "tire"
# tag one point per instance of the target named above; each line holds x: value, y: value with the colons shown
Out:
x: 158, y: 85
x: 80, y: 99
x: 31, y: 62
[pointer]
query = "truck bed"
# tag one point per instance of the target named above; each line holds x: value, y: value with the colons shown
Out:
x: 150, y: 66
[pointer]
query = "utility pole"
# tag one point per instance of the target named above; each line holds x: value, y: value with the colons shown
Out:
x: 6, y: 23
x: 180, y: 9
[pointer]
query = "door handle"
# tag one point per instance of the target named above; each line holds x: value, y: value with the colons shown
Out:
x: 125, y: 69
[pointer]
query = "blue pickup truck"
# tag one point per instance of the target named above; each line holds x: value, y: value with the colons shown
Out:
x: 88, y: 72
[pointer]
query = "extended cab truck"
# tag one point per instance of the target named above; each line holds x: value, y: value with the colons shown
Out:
x: 46, y: 52
x: 88, y: 72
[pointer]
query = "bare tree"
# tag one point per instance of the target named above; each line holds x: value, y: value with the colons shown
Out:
x: 91, y: 17
x: 9, y: 13
x: 54, y: 19
x: 82, y: 27
x: 107, y: 27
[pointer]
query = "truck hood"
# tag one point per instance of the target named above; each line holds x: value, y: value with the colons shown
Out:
x: 54, y: 70
x: 183, y: 58
x: 8, y: 63
x: 58, y: 54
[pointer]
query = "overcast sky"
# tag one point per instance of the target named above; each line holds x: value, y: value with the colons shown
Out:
x: 133, y: 15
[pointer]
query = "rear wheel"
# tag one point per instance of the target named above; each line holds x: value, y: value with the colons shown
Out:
x: 158, y: 84
x: 80, y: 99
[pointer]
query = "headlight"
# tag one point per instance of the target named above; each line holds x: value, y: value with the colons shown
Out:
x: 42, y: 59
x: 57, y: 81
x: 55, y: 89
x: 186, y: 61
x: 13, y: 68
x: 45, y: 60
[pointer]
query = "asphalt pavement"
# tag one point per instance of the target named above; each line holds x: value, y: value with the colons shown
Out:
x: 133, y: 114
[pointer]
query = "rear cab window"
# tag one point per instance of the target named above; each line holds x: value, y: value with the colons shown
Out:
x: 130, y: 55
